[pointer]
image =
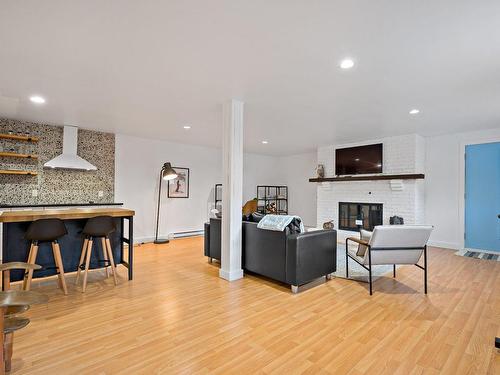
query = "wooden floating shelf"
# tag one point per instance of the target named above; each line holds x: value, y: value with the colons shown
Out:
x: 18, y: 172
x: 416, y: 176
x: 19, y: 137
x: 16, y: 155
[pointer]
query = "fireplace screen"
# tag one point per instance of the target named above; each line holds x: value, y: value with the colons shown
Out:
x: 356, y: 216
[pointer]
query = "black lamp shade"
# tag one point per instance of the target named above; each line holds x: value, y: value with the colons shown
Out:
x: 167, y: 172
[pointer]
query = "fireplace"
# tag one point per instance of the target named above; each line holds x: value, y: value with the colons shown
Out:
x: 355, y: 216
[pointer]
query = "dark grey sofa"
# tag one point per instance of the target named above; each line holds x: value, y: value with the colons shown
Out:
x: 294, y: 259
x: 213, y: 239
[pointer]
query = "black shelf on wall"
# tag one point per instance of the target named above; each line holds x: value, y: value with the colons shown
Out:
x: 269, y: 194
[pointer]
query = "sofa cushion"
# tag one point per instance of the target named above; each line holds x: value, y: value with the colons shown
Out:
x: 255, y: 217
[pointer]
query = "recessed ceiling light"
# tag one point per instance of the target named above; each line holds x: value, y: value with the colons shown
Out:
x: 265, y: 142
x: 187, y: 127
x: 37, y: 99
x: 346, y: 64
x: 414, y: 111
x: 357, y: 159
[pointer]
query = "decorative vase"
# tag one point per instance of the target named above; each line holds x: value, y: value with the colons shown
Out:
x: 320, y: 171
x: 328, y: 225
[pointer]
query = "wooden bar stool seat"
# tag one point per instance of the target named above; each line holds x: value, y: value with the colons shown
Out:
x: 15, y: 310
x: 14, y: 323
x: 46, y: 230
x: 97, y: 227
x: 10, y: 298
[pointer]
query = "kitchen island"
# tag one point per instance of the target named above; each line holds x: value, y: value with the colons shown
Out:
x: 14, y: 247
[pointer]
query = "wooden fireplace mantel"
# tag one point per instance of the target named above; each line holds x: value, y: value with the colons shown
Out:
x: 413, y: 176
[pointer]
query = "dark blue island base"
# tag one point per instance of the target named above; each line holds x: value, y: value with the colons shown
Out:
x: 15, y: 247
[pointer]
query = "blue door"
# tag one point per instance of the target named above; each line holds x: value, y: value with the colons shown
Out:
x: 482, y: 196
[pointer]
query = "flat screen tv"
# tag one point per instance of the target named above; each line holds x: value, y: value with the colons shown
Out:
x: 358, y: 160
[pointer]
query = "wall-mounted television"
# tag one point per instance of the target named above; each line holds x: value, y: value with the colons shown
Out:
x: 358, y: 160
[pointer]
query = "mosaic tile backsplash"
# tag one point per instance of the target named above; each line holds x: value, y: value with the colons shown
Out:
x: 56, y: 186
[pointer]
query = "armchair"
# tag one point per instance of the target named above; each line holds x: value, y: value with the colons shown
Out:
x: 392, y: 244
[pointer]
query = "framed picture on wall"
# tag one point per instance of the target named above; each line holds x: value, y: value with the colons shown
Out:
x: 179, y: 187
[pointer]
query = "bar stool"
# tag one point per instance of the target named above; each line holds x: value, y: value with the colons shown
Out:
x: 11, y: 321
x: 46, y: 230
x: 97, y: 227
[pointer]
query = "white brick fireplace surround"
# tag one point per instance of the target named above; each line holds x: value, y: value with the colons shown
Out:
x: 401, y: 155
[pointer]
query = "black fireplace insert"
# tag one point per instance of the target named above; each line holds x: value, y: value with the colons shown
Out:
x: 355, y: 216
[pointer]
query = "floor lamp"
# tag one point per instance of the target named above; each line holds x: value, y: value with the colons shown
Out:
x: 166, y: 173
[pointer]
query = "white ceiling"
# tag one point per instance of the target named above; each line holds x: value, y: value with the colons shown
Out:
x: 150, y: 67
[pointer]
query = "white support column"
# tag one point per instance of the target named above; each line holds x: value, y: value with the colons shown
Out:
x: 232, y: 190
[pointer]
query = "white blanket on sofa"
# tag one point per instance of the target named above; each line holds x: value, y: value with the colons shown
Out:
x: 278, y: 222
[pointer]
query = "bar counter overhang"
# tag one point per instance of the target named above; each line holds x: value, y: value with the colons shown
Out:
x: 15, y: 247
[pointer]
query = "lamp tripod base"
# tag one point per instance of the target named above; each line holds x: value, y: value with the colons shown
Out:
x: 160, y: 241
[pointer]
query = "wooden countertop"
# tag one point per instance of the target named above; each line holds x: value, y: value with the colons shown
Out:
x: 64, y: 214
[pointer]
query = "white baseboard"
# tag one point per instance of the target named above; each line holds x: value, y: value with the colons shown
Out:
x: 139, y: 240
x: 191, y: 233
x: 446, y: 245
x: 231, y: 275
x: 146, y: 239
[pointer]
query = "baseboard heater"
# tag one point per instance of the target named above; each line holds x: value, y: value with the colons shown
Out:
x: 191, y: 233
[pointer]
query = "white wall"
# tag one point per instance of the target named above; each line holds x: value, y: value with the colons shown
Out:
x: 138, y: 162
x: 297, y: 170
x: 444, y: 184
x: 260, y: 170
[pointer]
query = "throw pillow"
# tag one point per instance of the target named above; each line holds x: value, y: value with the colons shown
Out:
x: 294, y: 225
x: 364, y: 235
x: 256, y: 217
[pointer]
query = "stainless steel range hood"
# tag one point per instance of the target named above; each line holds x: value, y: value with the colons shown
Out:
x: 69, y: 159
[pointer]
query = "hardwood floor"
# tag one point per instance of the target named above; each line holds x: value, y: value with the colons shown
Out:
x: 178, y: 317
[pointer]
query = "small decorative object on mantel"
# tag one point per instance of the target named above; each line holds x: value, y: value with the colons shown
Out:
x: 328, y: 225
x: 320, y: 171
x: 179, y: 186
x: 396, y: 220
